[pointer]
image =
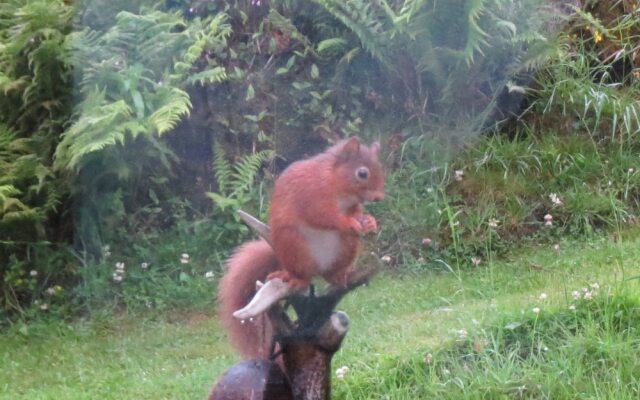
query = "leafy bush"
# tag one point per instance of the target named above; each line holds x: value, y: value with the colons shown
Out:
x: 35, y: 101
x: 180, y: 103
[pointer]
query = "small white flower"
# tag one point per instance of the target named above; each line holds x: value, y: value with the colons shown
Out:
x: 556, y: 247
x: 631, y: 170
x: 386, y: 259
x: 545, y: 348
x: 44, y: 306
x: 341, y: 372
x: 543, y: 296
x: 50, y: 291
x: 184, y: 255
x: 595, y: 286
x: 184, y: 258
x: 475, y: 261
x: 427, y: 241
x: 555, y: 199
x: 475, y: 321
x: 428, y: 358
x: 576, y: 295
x: 572, y: 307
x: 120, y: 266
x: 536, y: 310
x: 588, y: 295
x: 462, y: 333
x: 493, y: 223
x: 117, y: 278
x: 144, y: 265
x: 209, y: 275
x: 33, y: 272
x: 548, y: 220
x: 459, y: 174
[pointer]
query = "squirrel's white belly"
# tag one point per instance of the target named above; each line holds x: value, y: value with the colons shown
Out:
x: 323, y: 245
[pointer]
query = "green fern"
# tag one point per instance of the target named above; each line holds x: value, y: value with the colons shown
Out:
x: 235, y: 181
x: 222, y: 169
x: 175, y: 104
x: 362, y: 18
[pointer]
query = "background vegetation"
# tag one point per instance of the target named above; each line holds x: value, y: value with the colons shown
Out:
x: 132, y: 131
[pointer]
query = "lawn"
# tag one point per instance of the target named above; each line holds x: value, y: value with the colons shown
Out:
x: 473, y: 334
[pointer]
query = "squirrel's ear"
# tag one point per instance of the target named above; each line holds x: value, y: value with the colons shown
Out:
x: 351, y: 147
x: 375, y: 148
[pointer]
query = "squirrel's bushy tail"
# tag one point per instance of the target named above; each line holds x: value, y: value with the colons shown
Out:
x: 250, y: 262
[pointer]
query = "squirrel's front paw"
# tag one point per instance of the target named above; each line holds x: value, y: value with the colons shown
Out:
x: 368, y: 223
x: 354, y: 226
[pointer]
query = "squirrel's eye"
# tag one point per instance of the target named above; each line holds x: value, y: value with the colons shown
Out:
x: 362, y: 173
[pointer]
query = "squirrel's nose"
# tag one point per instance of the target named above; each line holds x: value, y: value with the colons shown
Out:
x: 376, y: 196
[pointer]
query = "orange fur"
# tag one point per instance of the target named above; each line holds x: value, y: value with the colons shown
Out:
x: 251, y: 262
x: 316, y: 220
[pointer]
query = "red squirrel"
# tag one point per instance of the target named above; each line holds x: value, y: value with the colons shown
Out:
x: 316, y: 219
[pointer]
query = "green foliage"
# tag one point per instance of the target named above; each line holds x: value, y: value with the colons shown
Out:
x: 162, y: 88
x: 35, y: 98
x: 593, y: 82
x: 134, y: 81
x: 237, y: 189
x: 443, y: 61
x: 160, y: 271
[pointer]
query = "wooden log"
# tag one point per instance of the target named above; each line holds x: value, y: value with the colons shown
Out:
x: 253, y: 380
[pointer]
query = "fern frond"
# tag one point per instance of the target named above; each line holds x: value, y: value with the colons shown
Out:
x: 175, y: 105
x: 222, y: 169
x: 359, y: 17
x: 211, y: 75
x: 215, y: 34
x: 97, y: 128
x: 246, y: 169
x: 332, y: 46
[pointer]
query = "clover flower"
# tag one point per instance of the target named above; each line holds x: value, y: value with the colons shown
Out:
x: 118, y: 275
x: 555, y: 199
x: 342, y: 372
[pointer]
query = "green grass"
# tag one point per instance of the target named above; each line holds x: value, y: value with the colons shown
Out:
x: 508, y: 351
